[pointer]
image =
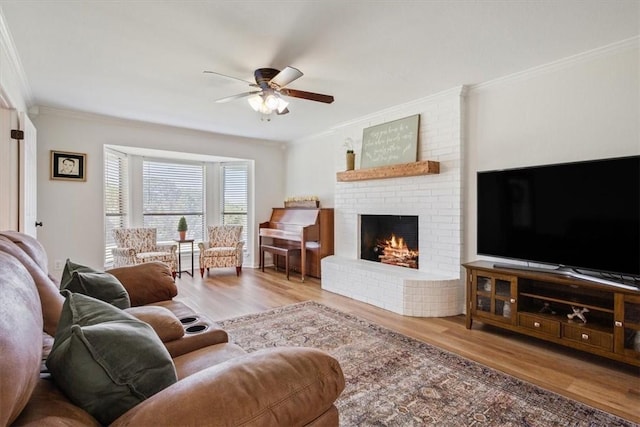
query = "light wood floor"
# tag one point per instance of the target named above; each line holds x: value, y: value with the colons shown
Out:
x: 601, y: 383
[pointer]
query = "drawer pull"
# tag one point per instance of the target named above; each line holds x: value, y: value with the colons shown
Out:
x: 512, y: 300
x: 585, y: 336
x: 536, y: 324
x: 618, y: 323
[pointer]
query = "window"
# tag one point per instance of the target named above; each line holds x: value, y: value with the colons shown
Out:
x: 161, y: 190
x: 170, y: 191
x: 115, y: 198
x: 234, y: 201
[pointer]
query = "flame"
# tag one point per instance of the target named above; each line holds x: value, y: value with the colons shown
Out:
x: 397, y: 244
x: 395, y: 251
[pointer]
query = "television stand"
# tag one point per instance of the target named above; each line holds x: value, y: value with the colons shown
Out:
x: 549, y: 305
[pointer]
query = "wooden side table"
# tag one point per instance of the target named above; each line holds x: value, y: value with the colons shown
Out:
x: 180, y: 242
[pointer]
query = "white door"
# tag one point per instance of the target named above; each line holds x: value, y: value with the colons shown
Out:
x: 27, y: 215
x: 8, y: 170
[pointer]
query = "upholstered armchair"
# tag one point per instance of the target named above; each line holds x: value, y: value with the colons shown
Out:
x: 138, y: 245
x: 224, y: 248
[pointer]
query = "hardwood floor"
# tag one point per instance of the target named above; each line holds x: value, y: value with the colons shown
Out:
x: 598, y: 382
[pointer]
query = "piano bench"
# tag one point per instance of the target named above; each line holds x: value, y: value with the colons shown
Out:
x: 278, y: 250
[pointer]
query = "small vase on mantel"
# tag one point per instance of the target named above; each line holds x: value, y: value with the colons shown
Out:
x: 351, y: 160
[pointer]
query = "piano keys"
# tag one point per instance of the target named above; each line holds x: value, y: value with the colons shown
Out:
x: 310, y: 228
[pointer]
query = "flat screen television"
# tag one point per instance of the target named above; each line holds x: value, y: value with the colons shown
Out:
x: 582, y: 215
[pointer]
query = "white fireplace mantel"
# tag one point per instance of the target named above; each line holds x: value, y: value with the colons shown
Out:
x: 425, y: 167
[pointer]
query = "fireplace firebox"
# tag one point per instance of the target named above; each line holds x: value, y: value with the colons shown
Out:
x: 390, y: 239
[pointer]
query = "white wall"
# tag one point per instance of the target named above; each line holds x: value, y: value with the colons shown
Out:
x: 72, y: 212
x: 582, y: 108
x: 312, y: 164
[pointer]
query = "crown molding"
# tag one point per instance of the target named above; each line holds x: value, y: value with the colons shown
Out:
x: 620, y: 46
x: 46, y: 110
x: 459, y: 91
x: 7, y: 44
x: 416, y: 103
x: 5, y: 102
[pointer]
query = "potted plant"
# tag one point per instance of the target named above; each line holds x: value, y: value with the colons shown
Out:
x: 182, y: 228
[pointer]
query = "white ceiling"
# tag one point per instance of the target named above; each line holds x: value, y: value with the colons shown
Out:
x: 143, y: 60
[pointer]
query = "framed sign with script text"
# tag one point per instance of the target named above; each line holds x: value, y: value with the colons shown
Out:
x: 390, y: 143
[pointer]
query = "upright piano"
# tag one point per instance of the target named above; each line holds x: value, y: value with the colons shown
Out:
x: 308, y: 228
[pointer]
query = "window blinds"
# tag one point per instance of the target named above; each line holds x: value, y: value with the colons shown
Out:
x: 234, y: 203
x: 170, y: 191
x: 115, y: 198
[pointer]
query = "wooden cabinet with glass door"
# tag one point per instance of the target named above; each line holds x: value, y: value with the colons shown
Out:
x: 493, y: 297
x: 627, y: 326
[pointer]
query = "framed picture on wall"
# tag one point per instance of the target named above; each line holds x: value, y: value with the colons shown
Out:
x: 68, y: 166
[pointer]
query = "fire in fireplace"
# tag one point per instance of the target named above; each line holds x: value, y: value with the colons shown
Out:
x: 390, y: 239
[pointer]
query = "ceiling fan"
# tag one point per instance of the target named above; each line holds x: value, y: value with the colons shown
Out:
x: 270, y: 86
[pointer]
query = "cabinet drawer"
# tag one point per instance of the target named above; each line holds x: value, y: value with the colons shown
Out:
x: 588, y: 336
x: 539, y: 324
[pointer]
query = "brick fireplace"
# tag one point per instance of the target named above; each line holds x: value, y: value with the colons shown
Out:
x: 435, y: 287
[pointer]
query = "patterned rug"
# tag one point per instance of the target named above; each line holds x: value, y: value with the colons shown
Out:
x: 394, y: 380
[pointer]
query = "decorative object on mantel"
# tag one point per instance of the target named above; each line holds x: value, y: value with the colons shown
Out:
x: 351, y: 160
x: 68, y: 166
x: 425, y: 167
x: 351, y: 155
x: 182, y: 228
x: 390, y: 143
x: 302, y: 202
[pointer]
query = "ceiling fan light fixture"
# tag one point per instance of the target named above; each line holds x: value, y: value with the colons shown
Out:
x: 265, y: 110
x: 282, y: 105
x: 255, y: 102
x: 267, y: 104
x: 271, y: 101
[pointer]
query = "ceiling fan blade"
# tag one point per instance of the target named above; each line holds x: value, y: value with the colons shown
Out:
x: 327, y: 99
x: 285, y: 77
x: 238, y: 96
x: 229, y: 77
x: 285, y: 111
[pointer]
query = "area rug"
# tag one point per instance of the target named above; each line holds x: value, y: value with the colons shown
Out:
x: 395, y: 380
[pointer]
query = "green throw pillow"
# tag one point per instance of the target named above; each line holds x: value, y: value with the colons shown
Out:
x: 70, y: 267
x: 105, y: 360
x: 97, y: 284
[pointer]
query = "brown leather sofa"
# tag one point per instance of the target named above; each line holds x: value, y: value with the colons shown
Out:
x: 218, y: 383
